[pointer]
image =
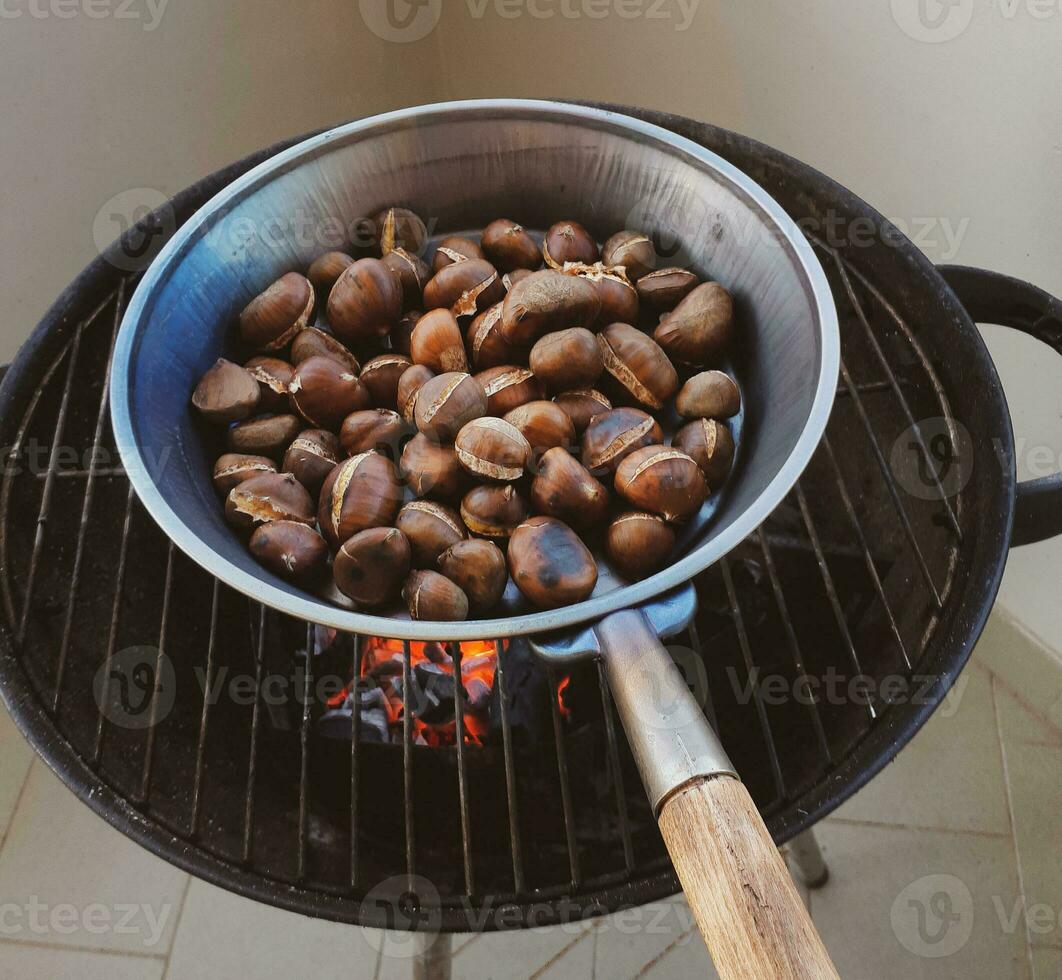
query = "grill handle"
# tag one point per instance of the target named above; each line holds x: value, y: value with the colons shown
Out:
x: 747, y: 907
x: 990, y: 297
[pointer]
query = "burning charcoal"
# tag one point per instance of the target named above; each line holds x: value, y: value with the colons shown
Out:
x: 527, y: 689
x: 434, y: 694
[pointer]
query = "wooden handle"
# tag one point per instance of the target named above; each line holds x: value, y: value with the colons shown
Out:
x: 748, y: 909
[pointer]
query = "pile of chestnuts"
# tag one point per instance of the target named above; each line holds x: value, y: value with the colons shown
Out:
x: 427, y: 422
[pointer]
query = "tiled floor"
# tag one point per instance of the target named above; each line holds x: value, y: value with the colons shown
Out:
x: 932, y: 865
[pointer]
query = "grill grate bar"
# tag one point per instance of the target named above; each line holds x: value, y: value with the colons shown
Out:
x: 153, y: 725
x: 355, y: 738
x: 258, y: 650
x: 86, y: 507
x: 462, y: 771
x: 614, y: 765
x: 204, y: 717
x: 304, y: 750
x: 562, y: 773
x: 510, y: 770
x: 407, y: 761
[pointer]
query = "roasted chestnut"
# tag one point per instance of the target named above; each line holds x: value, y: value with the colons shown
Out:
x: 582, y: 406
x: 455, y: 249
x: 544, y: 425
x: 493, y: 511
x: 509, y: 246
x: 663, y: 480
x: 226, y: 393
x: 371, y: 566
x: 709, y: 395
x: 486, y: 344
x: 365, y: 302
x: 233, y: 468
x: 639, y: 368
x: 508, y: 387
x: 446, y: 403
x: 361, y: 492
x: 492, y: 449
x: 477, y: 567
x: 633, y: 251
x: 269, y: 497
x: 639, y: 544
x: 710, y: 445
x: 430, y: 528
x: 403, y: 331
x: 550, y: 564
x: 273, y: 318
x: 510, y: 279
x: 619, y: 299
x: 273, y: 376
x: 394, y: 228
x: 381, y: 375
x: 465, y: 288
x: 436, y: 342
x: 431, y: 596
x: 324, y: 392
x: 291, y: 550
x: 431, y: 469
x: 311, y: 457
x: 412, y: 271
x: 267, y: 435
x: 544, y: 302
x: 312, y: 342
x: 569, y: 241
x: 564, y: 488
x: 377, y: 429
x: 413, y: 379
x: 612, y: 436
x: 567, y: 359
x: 700, y: 327
x: 664, y: 289
x: 326, y: 269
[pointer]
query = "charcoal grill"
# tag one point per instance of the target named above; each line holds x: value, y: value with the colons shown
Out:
x: 882, y: 564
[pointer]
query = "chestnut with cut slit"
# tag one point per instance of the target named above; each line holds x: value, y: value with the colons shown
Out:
x: 413, y: 379
x: 709, y: 395
x: 582, y: 406
x: 271, y: 321
x: 394, y: 228
x: 493, y: 449
x: 544, y: 425
x: 361, y: 492
x: 448, y: 402
x: 544, y: 302
x: 508, y: 386
x: 232, y: 469
x: 612, y: 436
x: 638, y: 367
x: 478, y: 568
x: 455, y: 249
x: 381, y: 375
x: 700, y: 327
x: 493, y: 511
x: 431, y: 469
x: 313, y: 342
x: 550, y: 564
x: 565, y: 489
x: 569, y: 241
x: 266, y: 435
x: 273, y: 376
x: 265, y: 498
x: 377, y: 429
x: 664, y: 289
x: 710, y: 445
x: 226, y: 393
x: 412, y: 272
x: 431, y: 596
x: 324, y: 392
x: 485, y: 343
x: 616, y: 293
x: 639, y: 544
x: 365, y: 302
x: 311, y: 457
x: 290, y: 549
x: 662, y: 480
x: 632, y: 250
x: 371, y: 566
x: 464, y: 288
x: 431, y: 528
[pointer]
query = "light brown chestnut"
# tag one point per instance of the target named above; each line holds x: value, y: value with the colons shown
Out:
x: 455, y: 249
x: 381, y: 375
x: 567, y: 359
x: 269, y: 497
x: 311, y: 457
x: 403, y: 331
x: 710, y: 445
x: 639, y: 544
x: 448, y: 402
x: 492, y: 449
x: 433, y: 597
x: 232, y: 469
x: 365, y: 302
x: 477, y: 567
x: 413, y: 274
x: 465, y: 288
x: 371, y: 566
x: 544, y: 425
x: 413, y: 379
x: 394, y: 228
x: 486, y: 344
x: 509, y: 246
x: 639, y: 369
x: 273, y: 318
x: 291, y: 550
x: 633, y: 251
x: 324, y: 392
x: 700, y: 327
x: 266, y: 435
x: 312, y: 342
x: 710, y: 395
x: 563, y: 488
x: 430, y: 528
x: 612, y: 436
x: 226, y: 393
x: 550, y: 564
x: 569, y: 241
x: 377, y: 429
x: 431, y: 469
x: 619, y: 298
x: 361, y: 492
x: 547, y: 301
x: 273, y: 376
x: 436, y: 342
x: 493, y: 511
x: 326, y: 269
x: 662, y: 480
x: 508, y: 386
x: 582, y: 406
x: 664, y: 289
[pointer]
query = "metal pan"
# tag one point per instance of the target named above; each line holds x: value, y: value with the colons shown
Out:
x: 459, y: 165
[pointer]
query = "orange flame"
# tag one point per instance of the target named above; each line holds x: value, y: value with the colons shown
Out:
x: 565, y: 711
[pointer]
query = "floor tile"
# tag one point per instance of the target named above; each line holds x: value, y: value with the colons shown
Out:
x: 560, y: 951
x: 957, y: 754
x: 918, y: 904
x: 1019, y: 722
x: 15, y: 758
x: 1023, y: 662
x: 74, y: 880
x: 225, y: 935
x: 682, y: 961
x: 52, y: 963
x: 628, y: 941
x: 1047, y: 964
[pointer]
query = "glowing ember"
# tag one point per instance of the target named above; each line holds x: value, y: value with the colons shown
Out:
x: 565, y: 711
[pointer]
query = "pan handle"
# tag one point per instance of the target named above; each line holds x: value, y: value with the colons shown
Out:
x: 993, y: 298
x: 747, y: 907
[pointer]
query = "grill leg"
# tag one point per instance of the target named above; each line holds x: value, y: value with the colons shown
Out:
x: 807, y: 858
x: 433, y: 956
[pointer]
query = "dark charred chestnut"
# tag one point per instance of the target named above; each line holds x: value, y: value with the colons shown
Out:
x: 700, y: 327
x: 365, y: 302
x: 371, y: 566
x: 273, y: 318
x: 430, y: 528
x: 431, y: 469
x: 413, y: 379
x: 509, y: 246
x: 662, y: 480
x: 394, y: 228
x: 464, y: 288
x: 477, y: 567
x: 361, y: 492
x: 710, y: 445
x: 381, y: 375
x: 564, y: 488
x: 436, y: 342
x: 486, y: 344
x: 544, y: 425
x: 324, y: 392
x: 265, y: 498
x: 377, y: 429
x: 493, y: 511
x: 430, y: 596
x: 664, y: 289
x: 583, y: 406
x: 455, y: 249
x: 569, y: 241
x: 233, y: 468
x: 267, y: 435
x: 544, y: 302
x: 637, y: 365
x: 291, y: 550
x: 273, y: 376
x: 508, y: 387
x: 639, y: 544
x: 226, y: 393
x: 326, y: 269
x: 612, y: 436
x: 709, y: 395
x: 413, y: 274
x: 567, y: 359
x: 311, y: 457
x: 446, y: 403
x: 492, y: 449
x: 312, y: 342
x: 631, y: 250
x: 550, y: 564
